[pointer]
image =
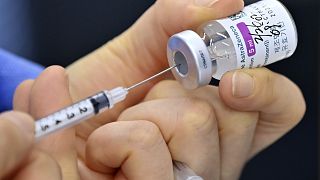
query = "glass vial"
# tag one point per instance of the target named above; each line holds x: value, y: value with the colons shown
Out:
x: 260, y: 34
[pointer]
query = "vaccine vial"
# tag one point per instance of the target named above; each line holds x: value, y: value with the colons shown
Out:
x: 261, y: 34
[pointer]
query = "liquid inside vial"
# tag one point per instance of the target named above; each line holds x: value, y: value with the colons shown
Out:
x: 220, y: 46
x: 260, y: 34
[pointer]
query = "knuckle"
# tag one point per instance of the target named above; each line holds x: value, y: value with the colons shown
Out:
x: 199, y: 116
x: 92, y: 151
x: 145, y: 135
x: 95, y: 149
x: 97, y: 137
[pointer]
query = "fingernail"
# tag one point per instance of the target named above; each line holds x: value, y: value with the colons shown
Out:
x: 242, y: 84
x: 205, y: 3
x: 21, y: 121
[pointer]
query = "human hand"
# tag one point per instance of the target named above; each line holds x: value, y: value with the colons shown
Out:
x: 214, y: 136
x: 216, y: 130
x: 18, y: 158
x: 136, y: 54
x: 139, y: 53
x: 130, y: 157
x: 122, y: 57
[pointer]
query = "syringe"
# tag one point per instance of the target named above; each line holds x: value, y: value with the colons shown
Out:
x: 96, y: 104
x: 85, y: 109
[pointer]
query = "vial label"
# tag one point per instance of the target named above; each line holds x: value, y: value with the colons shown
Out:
x: 262, y: 33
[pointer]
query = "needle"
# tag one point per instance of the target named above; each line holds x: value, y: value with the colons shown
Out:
x: 92, y: 106
x: 86, y: 108
x: 152, y: 77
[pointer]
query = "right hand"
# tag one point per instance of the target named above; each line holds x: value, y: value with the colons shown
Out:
x: 214, y: 130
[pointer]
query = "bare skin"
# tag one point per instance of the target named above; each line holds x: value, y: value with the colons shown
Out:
x: 224, y: 130
x: 19, y: 159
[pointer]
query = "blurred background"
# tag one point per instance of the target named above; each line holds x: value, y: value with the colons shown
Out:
x: 59, y: 32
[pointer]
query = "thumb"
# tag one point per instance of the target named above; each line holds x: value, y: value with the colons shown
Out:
x: 175, y: 16
x: 278, y: 100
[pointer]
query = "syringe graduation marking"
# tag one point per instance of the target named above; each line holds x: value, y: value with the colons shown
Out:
x: 81, y: 110
x: 64, y: 118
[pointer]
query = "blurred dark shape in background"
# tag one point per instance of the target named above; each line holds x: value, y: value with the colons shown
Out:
x: 59, y: 32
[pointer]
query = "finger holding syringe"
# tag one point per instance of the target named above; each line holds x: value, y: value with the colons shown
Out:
x: 94, y: 105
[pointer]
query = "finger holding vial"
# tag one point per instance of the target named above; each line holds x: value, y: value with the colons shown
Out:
x: 235, y: 129
x: 129, y: 150
x: 252, y: 38
x: 189, y: 128
x: 212, y: 54
x: 245, y: 125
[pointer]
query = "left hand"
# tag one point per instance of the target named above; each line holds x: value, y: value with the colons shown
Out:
x: 129, y: 157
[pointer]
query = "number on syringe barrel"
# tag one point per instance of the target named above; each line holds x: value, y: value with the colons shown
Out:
x: 71, y: 114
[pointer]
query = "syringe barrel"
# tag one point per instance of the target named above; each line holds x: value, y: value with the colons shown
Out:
x: 72, y: 115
